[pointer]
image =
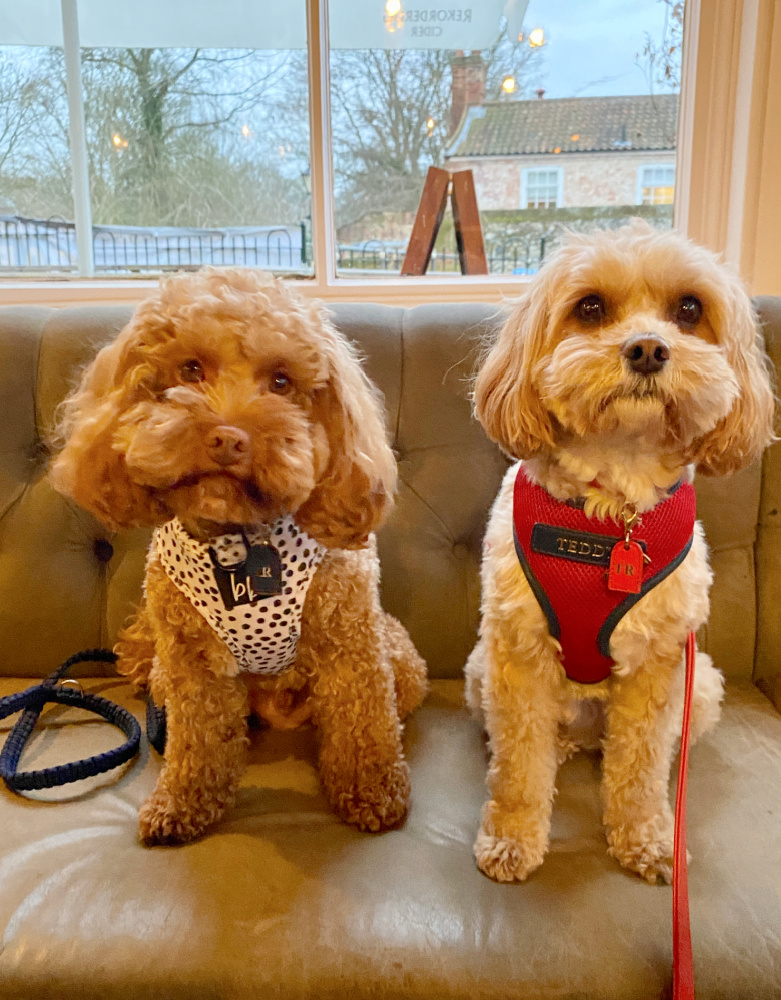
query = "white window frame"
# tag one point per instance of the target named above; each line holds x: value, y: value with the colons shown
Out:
x: 525, y: 171
x: 727, y: 194
x: 650, y: 166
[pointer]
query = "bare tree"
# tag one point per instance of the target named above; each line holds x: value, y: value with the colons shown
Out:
x: 661, y: 61
x: 382, y: 100
x: 165, y: 142
x: 161, y: 120
x: 34, y: 162
x: 18, y: 109
x: 164, y: 137
x: 391, y: 119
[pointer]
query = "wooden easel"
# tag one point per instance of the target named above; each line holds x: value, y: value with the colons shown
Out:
x: 431, y: 210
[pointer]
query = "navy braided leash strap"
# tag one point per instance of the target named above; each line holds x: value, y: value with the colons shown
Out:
x: 156, y: 726
x: 31, y: 702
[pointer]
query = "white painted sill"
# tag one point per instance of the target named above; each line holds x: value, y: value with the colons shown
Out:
x: 399, y: 291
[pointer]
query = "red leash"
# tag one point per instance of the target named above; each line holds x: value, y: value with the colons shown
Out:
x: 683, y: 966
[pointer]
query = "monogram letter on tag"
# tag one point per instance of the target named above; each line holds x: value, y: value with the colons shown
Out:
x: 626, y: 568
x: 260, y: 575
x: 264, y: 568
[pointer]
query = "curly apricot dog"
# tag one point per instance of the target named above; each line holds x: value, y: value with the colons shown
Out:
x: 230, y: 414
x: 632, y: 360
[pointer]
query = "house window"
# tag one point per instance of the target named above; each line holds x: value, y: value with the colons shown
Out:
x: 541, y: 188
x: 656, y: 185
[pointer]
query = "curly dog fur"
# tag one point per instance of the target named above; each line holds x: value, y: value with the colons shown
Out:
x: 234, y: 355
x: 557, y: 390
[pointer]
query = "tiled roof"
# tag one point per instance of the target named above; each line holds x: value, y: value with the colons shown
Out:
x: 567, y: 125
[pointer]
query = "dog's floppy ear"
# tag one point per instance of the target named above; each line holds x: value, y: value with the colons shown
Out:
x: 355, y: 491
x: 747, y: 430
x: 506, y: 399
x: 89, y: 468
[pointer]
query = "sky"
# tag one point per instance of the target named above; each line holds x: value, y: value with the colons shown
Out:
x: 591, y: 44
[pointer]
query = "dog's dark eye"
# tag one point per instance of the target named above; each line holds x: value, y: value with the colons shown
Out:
x: 590, y: 309
x: 688, y: 312
x: 191, y: 371
x: 281, y: 383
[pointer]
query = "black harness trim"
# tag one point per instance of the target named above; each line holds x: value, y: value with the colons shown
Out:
x: 542, y: 598
x: 615, y: 616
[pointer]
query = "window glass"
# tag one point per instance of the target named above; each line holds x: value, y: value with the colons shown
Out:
x: 542, y: 188
x: 197, y: 133
x: 657, y: 185
x: 36, y: 204
x: 566, y: 114
x: 190, y: 162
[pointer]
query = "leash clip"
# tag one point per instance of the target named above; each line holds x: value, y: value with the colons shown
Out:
x: 632, y: 520
x: 71, y: 682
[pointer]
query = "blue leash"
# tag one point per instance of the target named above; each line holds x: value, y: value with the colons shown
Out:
x: 156, y: 726
x: 31, y: 703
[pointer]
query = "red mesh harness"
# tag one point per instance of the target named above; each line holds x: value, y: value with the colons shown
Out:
x: 565, y: 556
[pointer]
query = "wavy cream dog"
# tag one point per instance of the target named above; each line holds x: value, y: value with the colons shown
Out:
x: 632, y: 360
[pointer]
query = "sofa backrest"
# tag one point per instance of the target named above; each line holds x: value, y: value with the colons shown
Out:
x: 767, y: 659
x: 62, y: 588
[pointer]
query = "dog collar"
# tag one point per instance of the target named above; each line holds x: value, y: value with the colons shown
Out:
x: 565, y: 557
x: 250, y: 586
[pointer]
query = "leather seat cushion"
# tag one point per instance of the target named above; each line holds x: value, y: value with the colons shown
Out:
x: 283, y: 899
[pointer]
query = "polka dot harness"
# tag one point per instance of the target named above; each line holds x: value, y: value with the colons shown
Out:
x: 222, y: 578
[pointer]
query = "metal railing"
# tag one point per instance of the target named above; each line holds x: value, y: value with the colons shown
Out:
x: 516, y: 255
x: 118, y: 250
x: 36, y: 245
x: 46, y: 246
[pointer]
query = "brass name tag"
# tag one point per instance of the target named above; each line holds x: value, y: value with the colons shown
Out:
x: 577, y: 546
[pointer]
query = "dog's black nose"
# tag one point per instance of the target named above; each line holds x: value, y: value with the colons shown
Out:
x: 646, y: 354
x: 228, y: 445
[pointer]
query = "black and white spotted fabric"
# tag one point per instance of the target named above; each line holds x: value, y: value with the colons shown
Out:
x: 263, y: 635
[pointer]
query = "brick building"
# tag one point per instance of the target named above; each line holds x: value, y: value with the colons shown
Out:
x: 567, y: 153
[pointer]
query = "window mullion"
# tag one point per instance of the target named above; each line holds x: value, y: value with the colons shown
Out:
x: 321, y: 164
x: 82, y: 209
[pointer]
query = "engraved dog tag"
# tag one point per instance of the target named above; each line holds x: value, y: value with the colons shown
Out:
x: 626, y: 568
x: 260, y: 575
x: 264, y: 568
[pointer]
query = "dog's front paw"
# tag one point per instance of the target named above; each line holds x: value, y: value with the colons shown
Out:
x: 374, y: 799
x: 510, y: 845
x: 504, y: 859
x: 162, y: 821
x: 648, y: 855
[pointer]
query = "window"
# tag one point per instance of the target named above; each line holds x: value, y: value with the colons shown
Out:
x: 194, y: 138
x: 192, y: 143
x: 35, y: 175
x: 509, y: 85
x: 656, y: 185
x: 541, y: 188
x: 513, y: 91
x: 189, y: 161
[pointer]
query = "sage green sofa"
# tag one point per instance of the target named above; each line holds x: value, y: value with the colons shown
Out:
x: 281, y: 899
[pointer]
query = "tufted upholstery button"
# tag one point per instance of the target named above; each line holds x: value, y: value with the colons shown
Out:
x: 461, y: 550
x: 103, y: 549
x: 39, y: 451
